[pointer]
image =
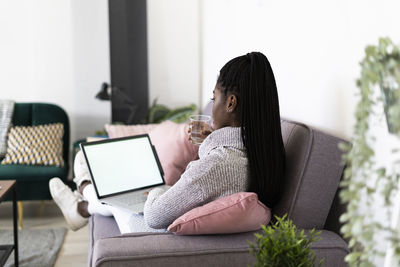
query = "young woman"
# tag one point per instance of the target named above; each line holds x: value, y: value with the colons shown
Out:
x: 245, y: 152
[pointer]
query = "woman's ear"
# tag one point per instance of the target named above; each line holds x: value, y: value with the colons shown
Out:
x: 231, y: 103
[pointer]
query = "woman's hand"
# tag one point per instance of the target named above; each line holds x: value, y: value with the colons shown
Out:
x: 198, y: 131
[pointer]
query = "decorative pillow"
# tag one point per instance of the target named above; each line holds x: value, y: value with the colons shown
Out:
x: 116, y: 131
x: 174, y: 149
x: 171, y: 142
x: 35, y: 145
x: 240, y: 212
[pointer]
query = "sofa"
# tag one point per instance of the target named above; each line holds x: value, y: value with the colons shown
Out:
x: 33, y: 180
x: 310, y: 198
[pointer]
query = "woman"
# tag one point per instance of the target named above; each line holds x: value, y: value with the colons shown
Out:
x: 244, y: 153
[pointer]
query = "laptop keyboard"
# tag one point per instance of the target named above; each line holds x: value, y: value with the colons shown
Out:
x: 131, y: 199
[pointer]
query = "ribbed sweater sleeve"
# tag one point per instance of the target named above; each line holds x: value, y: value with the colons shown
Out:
x: 163, y: 207
x: 220, y: 171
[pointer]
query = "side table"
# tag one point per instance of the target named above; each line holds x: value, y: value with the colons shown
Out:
x: 7, y: 186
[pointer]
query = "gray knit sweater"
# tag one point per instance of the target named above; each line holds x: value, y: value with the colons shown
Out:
x: 221, y: 170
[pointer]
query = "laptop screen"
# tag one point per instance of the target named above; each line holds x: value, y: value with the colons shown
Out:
x: 122, y: 165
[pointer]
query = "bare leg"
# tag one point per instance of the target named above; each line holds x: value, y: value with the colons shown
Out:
x: 83, y: 205
x: 83, y: 209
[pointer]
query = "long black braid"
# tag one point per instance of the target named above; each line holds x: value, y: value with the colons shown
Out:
x: 251, y: 79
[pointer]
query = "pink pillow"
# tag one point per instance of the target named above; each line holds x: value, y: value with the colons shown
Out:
x: 116, y: 131
x: 171, y: 141
x: 173, y: 148
x: 240, y: 212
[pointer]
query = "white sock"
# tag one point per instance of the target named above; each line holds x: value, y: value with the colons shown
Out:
x: 95, y: 206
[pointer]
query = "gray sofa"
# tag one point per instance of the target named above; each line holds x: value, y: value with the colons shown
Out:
x: 310, y: 199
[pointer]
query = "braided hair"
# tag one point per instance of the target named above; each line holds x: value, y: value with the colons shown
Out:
x: 251, y: 79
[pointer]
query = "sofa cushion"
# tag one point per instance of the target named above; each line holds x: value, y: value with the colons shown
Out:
x: 30, y: 114
x: 240, y: 212
x: 312, y: 175
x: 116, y: 131
x: 163, y: 249
x: 31, y: 172
x: 173, y: 148
x: 35, y: 145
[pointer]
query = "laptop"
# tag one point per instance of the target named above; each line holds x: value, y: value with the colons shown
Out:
x: 123, y: 170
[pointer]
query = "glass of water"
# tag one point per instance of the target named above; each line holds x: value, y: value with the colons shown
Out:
x: 198, y: 124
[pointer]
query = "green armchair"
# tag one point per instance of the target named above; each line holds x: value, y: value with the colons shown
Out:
x: 32, y: 181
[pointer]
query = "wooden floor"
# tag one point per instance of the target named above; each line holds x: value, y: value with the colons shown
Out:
x: 74, y: 251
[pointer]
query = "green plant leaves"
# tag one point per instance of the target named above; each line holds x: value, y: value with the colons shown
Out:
x: 380, y: 61
x: 282, y: 244
x: 158, y: 113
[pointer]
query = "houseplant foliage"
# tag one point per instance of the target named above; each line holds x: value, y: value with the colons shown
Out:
x: 158, y: 113
x: 365, y: 180
x: 282, y: 244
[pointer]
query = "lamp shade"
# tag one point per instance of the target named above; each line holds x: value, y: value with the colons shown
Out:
x: 104, y: 93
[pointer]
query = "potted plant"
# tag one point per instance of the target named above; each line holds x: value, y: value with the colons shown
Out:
x: 282, y: 244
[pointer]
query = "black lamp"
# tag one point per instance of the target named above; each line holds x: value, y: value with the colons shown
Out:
x: 105, y: 92
x: 119, y: 100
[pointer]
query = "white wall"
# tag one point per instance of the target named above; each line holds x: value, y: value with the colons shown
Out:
x: 314, y: 48
x: 91, y: 65
x: 56, y: 51
x: 173, y: 50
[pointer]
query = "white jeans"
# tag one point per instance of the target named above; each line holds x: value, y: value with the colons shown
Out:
x: 81, y: 170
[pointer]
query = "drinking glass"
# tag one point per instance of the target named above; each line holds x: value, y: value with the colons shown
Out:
x: 198, y: 123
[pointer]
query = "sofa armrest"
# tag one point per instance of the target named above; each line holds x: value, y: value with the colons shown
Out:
x: 155, y: 249
x: 332, y: 248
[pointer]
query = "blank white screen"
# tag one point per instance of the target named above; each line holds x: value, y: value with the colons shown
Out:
x: 123, y: 165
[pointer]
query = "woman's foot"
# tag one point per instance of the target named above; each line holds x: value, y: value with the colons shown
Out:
x: 67, y: 201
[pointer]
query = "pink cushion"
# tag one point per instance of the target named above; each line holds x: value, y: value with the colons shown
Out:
x: 171, y: 141
x: 240, y: 212
x: 173, y: 148
x: 116, y: 131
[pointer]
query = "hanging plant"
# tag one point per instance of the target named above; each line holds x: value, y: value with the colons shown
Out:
x: 364, y: 180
